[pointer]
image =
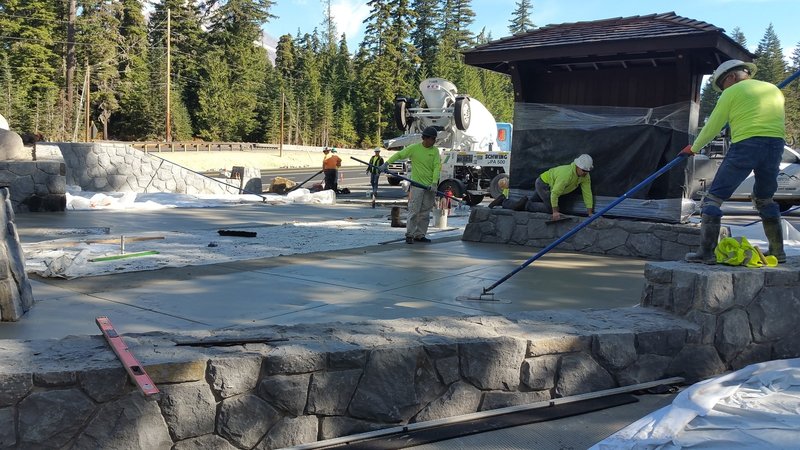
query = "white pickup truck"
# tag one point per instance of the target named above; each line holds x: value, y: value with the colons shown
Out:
x: 703, y: 167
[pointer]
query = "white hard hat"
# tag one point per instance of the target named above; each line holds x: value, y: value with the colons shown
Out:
x: 584, y: 162
x: 728, y: 66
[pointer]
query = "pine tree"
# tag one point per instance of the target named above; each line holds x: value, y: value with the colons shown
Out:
x: 792, y: 94
x: 99, y: 26
x: 424, y: 36
x: 135, y: 116
x: 769, y: 58
x: 521, y: 18
x: 28, y: 30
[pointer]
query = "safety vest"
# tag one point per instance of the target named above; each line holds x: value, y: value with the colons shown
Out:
x: 739, y: 252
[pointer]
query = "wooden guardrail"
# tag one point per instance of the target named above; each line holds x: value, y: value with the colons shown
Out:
x: 198, y: 146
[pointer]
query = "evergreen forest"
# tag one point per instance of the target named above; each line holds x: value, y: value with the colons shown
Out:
x: 62, y: 58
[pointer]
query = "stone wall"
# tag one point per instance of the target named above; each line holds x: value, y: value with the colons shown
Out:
x: 654, y: 241
x: 116, y: 167
x: 15, y: 289
x: 325, y: 381
x: 745, y: 315
x: 34, y: 185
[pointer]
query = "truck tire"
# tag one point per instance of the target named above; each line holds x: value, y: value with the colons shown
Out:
x: 494, y: 188
x: 393, y: 181
x: 400, y: 114
x: 462, y: 113
x: 784, y: 206
x: 455, y: 186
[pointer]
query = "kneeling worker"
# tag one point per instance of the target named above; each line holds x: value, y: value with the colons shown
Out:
x: 426, y: 165
x: 558, y: 181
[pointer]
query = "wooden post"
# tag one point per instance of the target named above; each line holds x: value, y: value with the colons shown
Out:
x: 280, y: 142
x: 169, y: 69
x: 87, y: 88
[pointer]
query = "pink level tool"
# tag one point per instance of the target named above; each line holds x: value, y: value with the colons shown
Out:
x: 132, y: 366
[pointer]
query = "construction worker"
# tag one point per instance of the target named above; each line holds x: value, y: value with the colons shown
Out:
x: 755, y: 113
x: 374, y: 171
x: 427, y: 164
x: 558, y: 181
x: 330, y: 167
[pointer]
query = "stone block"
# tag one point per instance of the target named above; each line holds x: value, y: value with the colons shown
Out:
x: 460, y: 398
x: 286, y: 392
x: 347, y: 359
x: 189, y: 409
x: 756, y: 353
x: 539, y: 373
x: 333, y: 427
x: 662, y: 342
x: 493, y: 364
x: 696, y: 362
x: 8, y: 435
x: 52, y: 418
x: 683, y: 291
x: 130, y: 422
x: 645, y: 368
x: 55, y: 379
x: 295, y: 358
x: 496, y: 400
x: 209, y: 441
x: 674, y: 251
x: 103, y: 385
x: 558, y: 344
x: 614, y: 351
x: 330, y: 392
x: 707, y: 327
x: 788, y: 347
x: 644, y: 246
x: 245, y: 420
x: 290, y: 431
x: 746, y: 285
x: 733, y: 333
x: 177, y: 372
x: 774, y: 313
x: 448, y: 369
x: 657, y: 273
x: 387, y: 391
x: 714, y: 291
x: 233, y: 375
x: 782, y: 276
x: 579, y: 373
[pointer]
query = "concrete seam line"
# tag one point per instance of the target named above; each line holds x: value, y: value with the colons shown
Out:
x: 485, y: 414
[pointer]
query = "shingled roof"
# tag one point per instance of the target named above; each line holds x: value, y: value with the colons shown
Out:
x: 630, y: 36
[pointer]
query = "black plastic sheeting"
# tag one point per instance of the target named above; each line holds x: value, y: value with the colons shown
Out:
x: 623, y: 157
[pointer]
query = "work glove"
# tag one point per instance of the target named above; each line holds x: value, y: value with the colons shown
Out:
x: 687, y: 151
x: 383, y: 167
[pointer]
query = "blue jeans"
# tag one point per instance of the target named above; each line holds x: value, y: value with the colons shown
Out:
x: 373, y: 180
x: 762, y: 156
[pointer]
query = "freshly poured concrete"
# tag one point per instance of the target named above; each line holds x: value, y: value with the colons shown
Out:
x: 378, y: 282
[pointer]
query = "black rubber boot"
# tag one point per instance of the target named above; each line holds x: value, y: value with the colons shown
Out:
x: 773, y: 228
x: 519, y: 205
x: 497, y: 201
x: 709, y: 236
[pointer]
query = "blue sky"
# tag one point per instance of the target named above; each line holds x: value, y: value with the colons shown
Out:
x: 751, y: 16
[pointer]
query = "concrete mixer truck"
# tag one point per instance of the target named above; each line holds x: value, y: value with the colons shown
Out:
x: 475, y: 148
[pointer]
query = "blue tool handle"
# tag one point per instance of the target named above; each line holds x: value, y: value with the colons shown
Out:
x: 413, y: 183
x: 589, y: 220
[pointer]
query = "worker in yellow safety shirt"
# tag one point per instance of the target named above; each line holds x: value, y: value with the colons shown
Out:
x: 426, y: 165
x: 556, y: 182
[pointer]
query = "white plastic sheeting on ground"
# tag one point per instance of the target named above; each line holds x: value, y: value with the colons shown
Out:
x: 757, y: 407
x: 70, y: 258
x: 79, y: 200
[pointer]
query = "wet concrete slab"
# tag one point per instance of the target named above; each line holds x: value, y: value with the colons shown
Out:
x: 375, y: 282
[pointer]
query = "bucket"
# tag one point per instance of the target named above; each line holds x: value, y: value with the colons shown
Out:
x: 439, y: 218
